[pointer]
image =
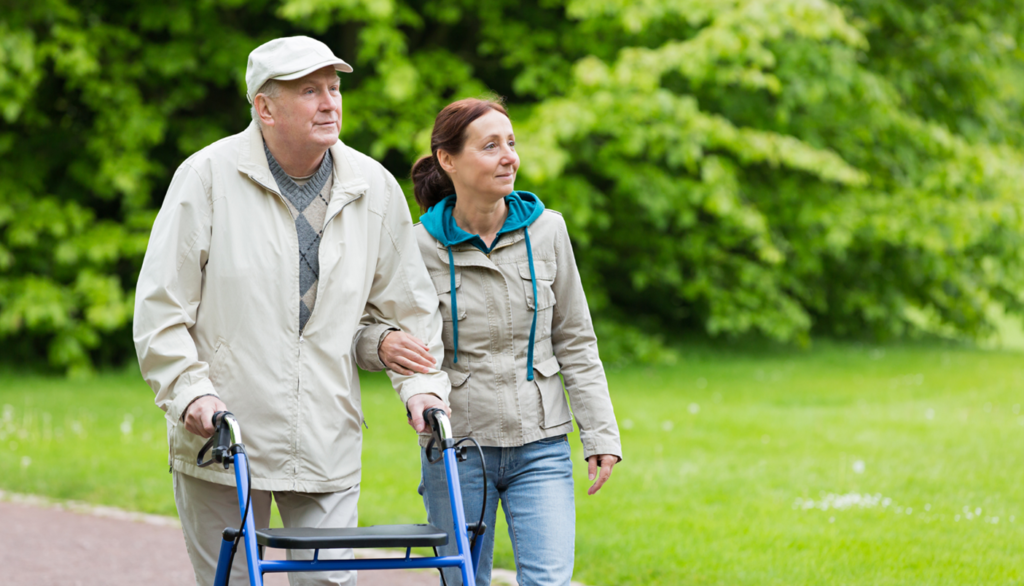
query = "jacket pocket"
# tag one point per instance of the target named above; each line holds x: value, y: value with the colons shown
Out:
x: 217, y: 362
x: 443, y: 286
x: 552, y: 394
x: 545, y: 272
x: 459, y: 401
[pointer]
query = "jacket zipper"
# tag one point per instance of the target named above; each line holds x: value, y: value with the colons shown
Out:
x: 298, y: 400
x: 298, y: 379
x: 298, y: 389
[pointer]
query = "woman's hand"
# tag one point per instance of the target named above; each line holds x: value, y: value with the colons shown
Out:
x: 418, y: 404
x: 606, y: 462
x: 405, y: 354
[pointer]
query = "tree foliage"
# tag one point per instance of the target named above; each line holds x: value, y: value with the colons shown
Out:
x: 775, y: 167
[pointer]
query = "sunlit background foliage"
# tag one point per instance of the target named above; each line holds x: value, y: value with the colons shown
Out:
x: 774, y: 168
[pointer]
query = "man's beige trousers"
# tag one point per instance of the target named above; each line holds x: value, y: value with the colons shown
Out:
x: 207, y: 508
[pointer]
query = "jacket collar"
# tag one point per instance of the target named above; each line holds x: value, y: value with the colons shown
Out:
x: 465, y: 254
x: 349, y: 183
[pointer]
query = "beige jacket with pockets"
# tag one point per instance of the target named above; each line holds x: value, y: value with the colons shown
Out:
x: 491, y: 398
x: 217, y: 311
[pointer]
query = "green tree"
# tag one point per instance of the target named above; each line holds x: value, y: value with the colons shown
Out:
x: 776, y: 167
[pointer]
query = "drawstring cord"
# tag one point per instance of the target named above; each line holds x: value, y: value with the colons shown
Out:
x: 455, y: 305
x: 533, y: 328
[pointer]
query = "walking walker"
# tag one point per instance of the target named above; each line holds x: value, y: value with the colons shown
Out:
x: 228, y: 449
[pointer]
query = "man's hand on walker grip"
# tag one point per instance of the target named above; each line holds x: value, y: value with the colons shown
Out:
x: 199, y: 415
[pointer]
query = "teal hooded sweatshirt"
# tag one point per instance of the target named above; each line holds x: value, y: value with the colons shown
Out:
x: 523, y: 209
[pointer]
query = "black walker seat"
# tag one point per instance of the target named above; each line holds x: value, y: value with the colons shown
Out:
x: 352, y: 537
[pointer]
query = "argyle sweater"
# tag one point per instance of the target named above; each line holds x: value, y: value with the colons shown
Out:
x: 308, y: 205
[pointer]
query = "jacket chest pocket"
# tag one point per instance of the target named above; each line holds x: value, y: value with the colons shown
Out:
x: 545, y: 273
x: 443, y: 286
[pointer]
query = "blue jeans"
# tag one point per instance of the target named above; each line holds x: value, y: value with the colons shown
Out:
x: 534, y: 485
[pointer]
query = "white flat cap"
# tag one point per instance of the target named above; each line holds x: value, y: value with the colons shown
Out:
x: 288, y: 58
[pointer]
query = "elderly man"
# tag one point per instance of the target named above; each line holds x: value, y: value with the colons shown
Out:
x: 272, y: 252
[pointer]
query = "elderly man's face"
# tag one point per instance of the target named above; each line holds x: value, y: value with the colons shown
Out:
x: 308, y: 109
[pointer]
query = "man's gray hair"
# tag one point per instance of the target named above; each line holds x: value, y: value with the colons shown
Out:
x: 271, y: 89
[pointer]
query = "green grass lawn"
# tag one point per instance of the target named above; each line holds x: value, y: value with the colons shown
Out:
x: 844, y: 464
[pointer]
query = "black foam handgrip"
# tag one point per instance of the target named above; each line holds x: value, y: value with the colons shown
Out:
x: 435, y: 425
x: 222, y: 445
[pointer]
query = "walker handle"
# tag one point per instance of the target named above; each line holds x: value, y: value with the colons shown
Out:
x: 221, y: 445
x: 440, y: 426
x: 224, y: 438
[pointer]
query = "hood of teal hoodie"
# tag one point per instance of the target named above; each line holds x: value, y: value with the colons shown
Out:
x: 523, y: 209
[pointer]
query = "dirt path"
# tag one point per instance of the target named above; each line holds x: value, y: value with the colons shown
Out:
x: 43, y: 544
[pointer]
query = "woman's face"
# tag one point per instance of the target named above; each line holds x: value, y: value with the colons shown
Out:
x: 488, y: 163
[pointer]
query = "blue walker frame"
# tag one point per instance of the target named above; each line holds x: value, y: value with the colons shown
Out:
x: 466, y: 560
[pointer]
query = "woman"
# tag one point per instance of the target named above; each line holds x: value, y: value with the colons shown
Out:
x: 515, y: 315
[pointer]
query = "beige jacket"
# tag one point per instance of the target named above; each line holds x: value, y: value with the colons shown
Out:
x: 491, y: 398
x: 217, y: 303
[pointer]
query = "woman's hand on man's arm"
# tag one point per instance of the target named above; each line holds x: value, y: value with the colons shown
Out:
x: 405, y: 354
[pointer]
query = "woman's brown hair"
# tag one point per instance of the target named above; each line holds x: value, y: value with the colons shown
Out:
x: 430, y: 182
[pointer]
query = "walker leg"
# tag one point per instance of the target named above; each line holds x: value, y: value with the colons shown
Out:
x: 468, y: 576
x: 223, y: 561
x: 477, y: 548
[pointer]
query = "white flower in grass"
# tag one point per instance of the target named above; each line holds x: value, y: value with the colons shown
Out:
x: 694, y: 408
x: 26, y: 461
x: 858, y: 467
x: 627, y: 424
x: 667, y: 425
x: 929, y: 414
x: 126, y: 425
x: 842, y: 502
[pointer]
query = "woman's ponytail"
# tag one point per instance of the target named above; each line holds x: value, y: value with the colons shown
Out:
x: 430, y: 184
